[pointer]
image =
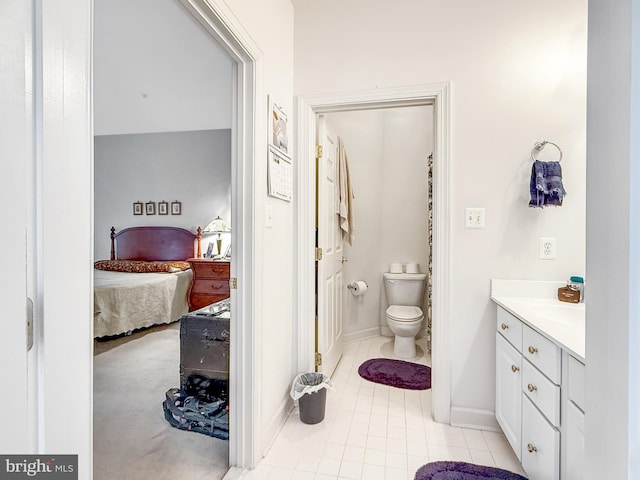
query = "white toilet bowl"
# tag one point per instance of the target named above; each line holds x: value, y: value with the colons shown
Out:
x: 405, y: 323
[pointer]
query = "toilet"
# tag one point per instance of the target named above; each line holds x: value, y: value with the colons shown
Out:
x: 405, y: 294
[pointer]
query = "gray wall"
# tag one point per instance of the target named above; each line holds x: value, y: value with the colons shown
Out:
x: 191, y: 167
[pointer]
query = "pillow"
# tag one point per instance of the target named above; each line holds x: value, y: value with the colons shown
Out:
x: 139, y: 266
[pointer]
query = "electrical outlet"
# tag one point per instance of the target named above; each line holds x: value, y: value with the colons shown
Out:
x: 473, y: 217
x: 547, y: 248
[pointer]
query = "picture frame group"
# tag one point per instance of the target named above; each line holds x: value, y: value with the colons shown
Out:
x: 163, y: 208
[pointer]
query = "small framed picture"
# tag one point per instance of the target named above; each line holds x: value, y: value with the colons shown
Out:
x: 209, y: 251
x: 176, y: 208
x: 163, y: 208
x: 278, y: 120
x: 137, y: 208
x: 150, y: 208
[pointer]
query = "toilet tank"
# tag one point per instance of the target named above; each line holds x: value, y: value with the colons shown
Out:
x: 405, y: 288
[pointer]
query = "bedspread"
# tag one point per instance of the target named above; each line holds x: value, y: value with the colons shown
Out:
x: 126, y: 301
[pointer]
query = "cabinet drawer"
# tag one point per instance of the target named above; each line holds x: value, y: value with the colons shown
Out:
x: 199, y: 301
x: 542, y: 353
x: 211, y: 270
x: 542, y: 392
x: 510, y: 328
x: 211, y: 287
x: 540, y: 444
x: 576, y: 382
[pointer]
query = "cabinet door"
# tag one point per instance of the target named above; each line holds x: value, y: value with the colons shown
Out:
x: 540, y: 444
x: 508, y: 392
x: 575, y: 443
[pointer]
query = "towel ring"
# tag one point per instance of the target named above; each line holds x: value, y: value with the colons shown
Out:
x: 538, y: 146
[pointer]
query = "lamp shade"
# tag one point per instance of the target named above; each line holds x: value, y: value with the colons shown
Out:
x: 217, y: 225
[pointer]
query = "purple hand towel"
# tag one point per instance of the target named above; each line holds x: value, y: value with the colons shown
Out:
x: 546, y: 184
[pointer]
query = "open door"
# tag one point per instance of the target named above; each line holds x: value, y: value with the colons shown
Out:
x: 16, y: 135
x: 329, y: 252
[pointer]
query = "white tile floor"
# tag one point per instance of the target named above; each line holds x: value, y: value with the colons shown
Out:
x: 375, y: 432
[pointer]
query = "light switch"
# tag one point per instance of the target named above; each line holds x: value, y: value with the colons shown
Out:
x: 473, y: 217
x: 268, y: 219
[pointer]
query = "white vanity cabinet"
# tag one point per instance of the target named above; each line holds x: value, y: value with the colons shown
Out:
x: 574, y: 435
x: 538, y: 400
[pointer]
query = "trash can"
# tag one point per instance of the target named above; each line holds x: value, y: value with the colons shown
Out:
x: 310, y: 390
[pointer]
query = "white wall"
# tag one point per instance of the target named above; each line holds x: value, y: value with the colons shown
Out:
x: 387, y: 151
x: 517, y: 74
x: 191, y: 167
x: 157, y: 70
x: 270, y: 25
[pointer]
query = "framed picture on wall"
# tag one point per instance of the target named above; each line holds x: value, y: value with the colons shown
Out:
x: 163, y: 208
x: 137, y: 208
x: 278, y: 122
x: 176, y: 208
x: 150, y: 208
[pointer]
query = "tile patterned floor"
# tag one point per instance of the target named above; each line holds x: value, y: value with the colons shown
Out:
x: 375, y: 432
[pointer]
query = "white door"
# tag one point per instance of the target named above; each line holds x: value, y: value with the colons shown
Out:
x: 16, y: 141
x: 508, y: 392
x: 329, y: 278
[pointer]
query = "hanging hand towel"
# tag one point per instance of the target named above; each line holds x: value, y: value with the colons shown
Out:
x: 345, y: 195
x: 546, y: 184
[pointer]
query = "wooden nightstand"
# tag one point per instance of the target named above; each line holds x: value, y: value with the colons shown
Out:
x: 210, y: 282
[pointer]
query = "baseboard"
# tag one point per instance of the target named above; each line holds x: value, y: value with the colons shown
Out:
x: 361, y: 335
x: 273, y: 427
x: 376, y: 332
x: 474, y: 418
x: 233, y: 473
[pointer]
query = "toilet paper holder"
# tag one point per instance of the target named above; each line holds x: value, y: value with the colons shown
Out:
x: 352, y: 286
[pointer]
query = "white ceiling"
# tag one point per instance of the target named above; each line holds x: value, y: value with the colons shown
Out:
x: 157, y: 70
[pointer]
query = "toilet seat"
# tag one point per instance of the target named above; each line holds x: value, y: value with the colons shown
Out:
x: 404, y: 313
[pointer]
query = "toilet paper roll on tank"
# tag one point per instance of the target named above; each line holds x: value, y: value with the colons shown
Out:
x: 410, y: 267
x: 358, y: 288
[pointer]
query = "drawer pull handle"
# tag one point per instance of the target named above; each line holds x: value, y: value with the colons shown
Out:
x: 532, y: 388
x: 532, y: 350
x: 514, y: 369
x: 504, y: 326
x: 216, y: 287
x: 531, y: 448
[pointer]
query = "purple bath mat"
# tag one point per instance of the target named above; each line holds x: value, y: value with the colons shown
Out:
x: 396, y: 373
x: 463, y: 471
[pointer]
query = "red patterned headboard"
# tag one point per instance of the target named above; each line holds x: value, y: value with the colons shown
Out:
x: 154, y: 243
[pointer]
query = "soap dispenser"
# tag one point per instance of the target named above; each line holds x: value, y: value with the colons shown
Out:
x: 577, y: 283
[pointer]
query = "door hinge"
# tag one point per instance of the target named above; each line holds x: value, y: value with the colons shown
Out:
x: 318, y: 254
x: 233, y: 283
x: 318, y: 151
x: 318, y: 359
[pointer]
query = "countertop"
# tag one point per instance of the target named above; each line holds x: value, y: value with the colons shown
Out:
x: 535, y: 303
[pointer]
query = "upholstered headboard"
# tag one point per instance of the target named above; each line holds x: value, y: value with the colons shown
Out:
x: 154, y: 243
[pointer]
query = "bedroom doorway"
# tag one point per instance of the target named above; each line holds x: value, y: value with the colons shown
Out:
x: 241, y: 56
x: 307, y: 109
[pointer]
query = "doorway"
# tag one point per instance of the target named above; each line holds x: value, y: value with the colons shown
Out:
x: 307, y: 109
x: 239, y: 138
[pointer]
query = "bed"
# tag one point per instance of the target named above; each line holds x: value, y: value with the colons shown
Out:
x: 146, y: 280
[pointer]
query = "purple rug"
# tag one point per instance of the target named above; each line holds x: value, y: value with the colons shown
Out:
x: 396, y: 373
x: 463, y: 471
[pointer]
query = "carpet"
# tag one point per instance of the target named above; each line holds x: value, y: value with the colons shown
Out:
x: 463, y: 471
x: 131, y: 438
x: 396, y: 373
